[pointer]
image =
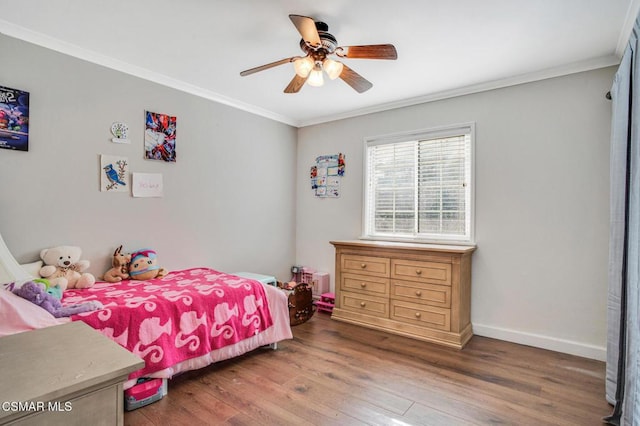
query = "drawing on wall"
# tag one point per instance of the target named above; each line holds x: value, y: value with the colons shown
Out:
x: 14, y: 119
x: 160, y: 137
x: 147, y: 185
x: 325, y: 175
x: 114, y: 174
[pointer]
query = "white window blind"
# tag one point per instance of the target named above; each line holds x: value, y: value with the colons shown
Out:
x: 420, y: 188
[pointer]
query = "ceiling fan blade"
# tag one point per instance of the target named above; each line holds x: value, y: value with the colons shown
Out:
x: 296, y: 84
x: 307, y: 28
x: 373, y: 51
x: 267, y: 66
x: 355, y: 80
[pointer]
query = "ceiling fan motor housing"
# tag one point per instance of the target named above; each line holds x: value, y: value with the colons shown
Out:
x: 327, y: 40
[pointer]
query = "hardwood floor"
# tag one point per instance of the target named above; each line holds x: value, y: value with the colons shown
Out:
x: 333, y: 373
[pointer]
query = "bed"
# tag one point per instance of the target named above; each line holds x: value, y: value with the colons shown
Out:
x: 187, y: 319
x: 184, y: 321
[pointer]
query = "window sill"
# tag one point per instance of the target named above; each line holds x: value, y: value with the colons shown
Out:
x: 418, y: 241
x: 380, y: 244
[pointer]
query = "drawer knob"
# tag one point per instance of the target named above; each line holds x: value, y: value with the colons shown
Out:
x: 363, y: 265
x: 418, y: 271
x: 418, y: 315
x: 362, y: 304
x: 363, y: 285
x: 418, y: 293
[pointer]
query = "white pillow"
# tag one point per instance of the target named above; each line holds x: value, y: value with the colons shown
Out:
x: 33, y: 268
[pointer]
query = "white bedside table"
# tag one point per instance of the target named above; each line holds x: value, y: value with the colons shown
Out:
x: 67, y: 374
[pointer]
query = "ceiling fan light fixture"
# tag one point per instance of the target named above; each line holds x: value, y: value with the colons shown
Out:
x: 317, y: 44
x: 315, y: 77
x: 332, y: 68
x: 303, y: 66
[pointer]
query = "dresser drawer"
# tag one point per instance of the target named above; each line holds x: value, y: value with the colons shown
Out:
x: 364, y: 304
x: 427, y: 272
x: 429, y: 316
x: 373, y: 286
x: 367, y: 265
x: 429, y: 294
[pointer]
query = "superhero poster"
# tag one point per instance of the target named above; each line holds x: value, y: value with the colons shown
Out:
x: 14, y: 119
x: 160, y: 137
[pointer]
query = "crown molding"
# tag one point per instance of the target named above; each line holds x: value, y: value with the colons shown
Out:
x: 16, y: 31
x: 573, y: 68
x: 48, y: 42
x: 627, y: 27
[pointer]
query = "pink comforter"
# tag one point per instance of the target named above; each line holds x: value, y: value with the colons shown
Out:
x: 184, y: 315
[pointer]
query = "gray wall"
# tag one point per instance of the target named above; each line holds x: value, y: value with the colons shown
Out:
x: 229, y: 200
x: 542, y: 194
x: 233, y: 200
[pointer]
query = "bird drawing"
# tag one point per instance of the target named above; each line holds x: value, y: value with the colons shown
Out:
x: 112, y: 175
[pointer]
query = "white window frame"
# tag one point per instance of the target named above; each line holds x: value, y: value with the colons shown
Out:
x: 416, y: 135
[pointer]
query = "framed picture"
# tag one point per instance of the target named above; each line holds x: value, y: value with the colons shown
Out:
x: 160, y: 137
x: 14, y: 119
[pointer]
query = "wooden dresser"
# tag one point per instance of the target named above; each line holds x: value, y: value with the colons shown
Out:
x: 415, y: 290
x: 67, y: 374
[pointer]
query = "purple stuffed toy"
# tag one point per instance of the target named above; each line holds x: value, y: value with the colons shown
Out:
x: 37, y: 294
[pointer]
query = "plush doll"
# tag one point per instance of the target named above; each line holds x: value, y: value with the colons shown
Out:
x: 120, y: 269
x: 53, y: 290
x: 144, y: 265
x: 36, y: 293
x: 63, y: 267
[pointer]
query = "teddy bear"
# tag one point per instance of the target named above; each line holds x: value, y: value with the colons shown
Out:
x: 37, y: 294
x: 120, y: 269
x: 63, y: 267
x: 144, y: 265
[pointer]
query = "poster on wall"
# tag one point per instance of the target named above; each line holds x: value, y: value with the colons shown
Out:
x: 160, y: 137
x: 14, y: 119
x: 114, y: 174
x: 325, y: 175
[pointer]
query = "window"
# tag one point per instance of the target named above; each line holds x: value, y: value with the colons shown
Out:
x: 419, y: 186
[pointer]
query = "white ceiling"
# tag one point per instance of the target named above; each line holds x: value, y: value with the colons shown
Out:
x: 444, y: 47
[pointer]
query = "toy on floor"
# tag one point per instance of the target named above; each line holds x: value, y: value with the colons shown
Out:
x: 326, y: 303
x: 144, y: 265
x: 120, y: 267
x: 63, y: 267
x: 37, y: 294
x: 301, y: 307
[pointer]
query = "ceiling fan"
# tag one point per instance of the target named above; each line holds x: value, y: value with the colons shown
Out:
x: 318, y: 45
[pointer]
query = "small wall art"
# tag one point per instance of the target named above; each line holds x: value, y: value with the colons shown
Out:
x: 160, y: 137
x: 120, y: 132
x: 14, y: 119
x: 147, y: 185
x: 114, y: 174
x: 325, y: 175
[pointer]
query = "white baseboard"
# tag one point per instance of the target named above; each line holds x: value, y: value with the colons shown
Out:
x: 545, y: 342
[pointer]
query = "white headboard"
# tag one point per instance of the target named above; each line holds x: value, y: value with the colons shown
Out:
x: 10, y: 269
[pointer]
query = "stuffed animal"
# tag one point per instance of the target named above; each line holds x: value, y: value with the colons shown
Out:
x: 53, y: 290
x: 36, y: 293
x: 120, y: 270
x: 63, y: 267
x: 144, y: 265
